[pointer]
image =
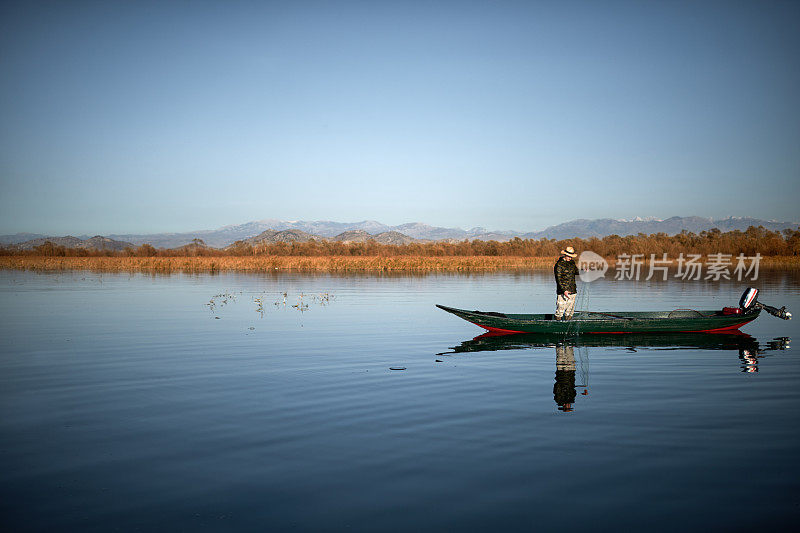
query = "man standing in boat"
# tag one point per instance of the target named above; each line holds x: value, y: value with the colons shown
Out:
x: 566, y: 289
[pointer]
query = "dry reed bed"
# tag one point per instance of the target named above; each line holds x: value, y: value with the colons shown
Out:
x: 272, y: 263
x: 305, y: 264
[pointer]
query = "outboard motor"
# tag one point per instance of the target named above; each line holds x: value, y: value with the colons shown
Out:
x: 749, y: 302
x: 748, y: 299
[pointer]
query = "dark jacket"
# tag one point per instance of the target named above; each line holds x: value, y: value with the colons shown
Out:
x: 565, y: 272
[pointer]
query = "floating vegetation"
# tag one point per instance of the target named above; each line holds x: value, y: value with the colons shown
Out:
x: 303, y: 301
x: 221, y: 300
x: 322, y: 298
x: 300, y: 305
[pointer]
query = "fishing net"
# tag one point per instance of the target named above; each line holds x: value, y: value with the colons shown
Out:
x: 572, y: 336
x: 581, y: 311
x: 582, y: 360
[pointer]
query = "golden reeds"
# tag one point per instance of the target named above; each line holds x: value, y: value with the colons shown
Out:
x: 375, y: 264
x: 778, y: 250
x: 273, y: 263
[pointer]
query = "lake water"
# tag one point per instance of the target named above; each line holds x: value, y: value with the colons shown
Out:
x: 207, y: 403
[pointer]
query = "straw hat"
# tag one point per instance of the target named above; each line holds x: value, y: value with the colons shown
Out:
x: 570, y: 251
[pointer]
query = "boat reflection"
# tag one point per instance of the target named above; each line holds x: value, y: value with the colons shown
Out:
x: 749, y: 350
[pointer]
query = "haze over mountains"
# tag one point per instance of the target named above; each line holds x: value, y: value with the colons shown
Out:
x: 269, y: 230
x: 272, y: 236
x: 601, y: 227
x: 97, y: 242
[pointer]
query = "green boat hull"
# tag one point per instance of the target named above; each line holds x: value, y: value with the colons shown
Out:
x: 680, y: 320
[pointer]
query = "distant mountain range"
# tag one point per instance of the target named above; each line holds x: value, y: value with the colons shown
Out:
x: 269, y: 230
x: 601, y: 227
x: 272, y: 236
x: 97, y: 242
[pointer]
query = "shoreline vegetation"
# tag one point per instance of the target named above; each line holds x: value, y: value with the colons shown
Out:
x: 374, y: 264
x: 780, y: 250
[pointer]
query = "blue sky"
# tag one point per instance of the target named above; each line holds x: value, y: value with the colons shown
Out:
x: 172, y: 116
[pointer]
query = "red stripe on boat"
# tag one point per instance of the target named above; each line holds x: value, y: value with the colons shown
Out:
x: 726, y: 328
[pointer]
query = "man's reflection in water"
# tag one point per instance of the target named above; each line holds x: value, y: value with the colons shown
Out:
x: 564, y: 388
x: 751, y: 352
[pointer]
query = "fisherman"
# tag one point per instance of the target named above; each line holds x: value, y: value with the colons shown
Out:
x: 565, y: 272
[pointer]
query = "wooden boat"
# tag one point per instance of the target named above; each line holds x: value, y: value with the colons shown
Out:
x: 679, y: 320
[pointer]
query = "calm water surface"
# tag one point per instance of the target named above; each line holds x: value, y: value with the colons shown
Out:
x: 213, y: 403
